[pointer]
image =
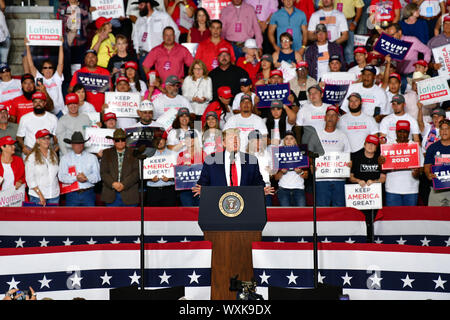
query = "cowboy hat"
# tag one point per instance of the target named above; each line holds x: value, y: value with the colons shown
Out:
x: 77, y: 137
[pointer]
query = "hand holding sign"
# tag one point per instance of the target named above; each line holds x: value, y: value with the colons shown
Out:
x: 396, y: 48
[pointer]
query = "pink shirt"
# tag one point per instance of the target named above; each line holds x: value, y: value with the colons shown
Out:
x: 240, y: 24
x: 167, y: 62
x: 263, y: 8
x: 407, y: 65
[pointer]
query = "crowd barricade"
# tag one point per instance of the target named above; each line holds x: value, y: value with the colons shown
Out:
x: 90, y: 271
x: 363, y: 271
x: 419, y: 226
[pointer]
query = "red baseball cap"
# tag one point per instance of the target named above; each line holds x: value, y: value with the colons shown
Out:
x: 108, y: 116
x: 333, y: 108
x: 122, y: 78
x: 224, y: 92
x: 72, y: 98
x: 101, y: 21
x: 42, y: 133
x: 395, y: 75
x: 302, y: 64
x: 447, y: 18
x: 276, y: 72
x: 402, y: 125
x: 222, y: 50
x: 38, y: 95
x: 372, y: 139
x: 131, y: 64
x: 422, y: 63
x: 7, y: 140
x: 360, y: 50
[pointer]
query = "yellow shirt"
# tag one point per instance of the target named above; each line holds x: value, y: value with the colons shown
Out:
x: 106, y: 50
x: 347, y: 7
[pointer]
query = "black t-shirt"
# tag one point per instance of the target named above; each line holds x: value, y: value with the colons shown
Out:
x: 365, y: 168
x: 117, y: 62
x: 229, y: 78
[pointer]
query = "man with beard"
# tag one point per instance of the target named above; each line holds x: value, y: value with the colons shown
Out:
x: 374, y: 99
x: 147, y: 29
x: 171, y: 99
x: 34, y: 121
x: 23, y: 104
x: 355, y: 124
x: 95, y: 97
x: 226, y: 74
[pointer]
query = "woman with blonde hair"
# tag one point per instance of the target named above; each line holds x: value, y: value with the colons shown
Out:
x: 41, y: 171
x: 197, y: 87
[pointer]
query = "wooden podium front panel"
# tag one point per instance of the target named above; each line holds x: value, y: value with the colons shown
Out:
x: 231, y: 256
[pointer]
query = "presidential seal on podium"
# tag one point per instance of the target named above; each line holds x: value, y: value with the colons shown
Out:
x: 231, y: 204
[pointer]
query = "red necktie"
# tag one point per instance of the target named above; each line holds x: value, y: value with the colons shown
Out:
x: 234, y: 175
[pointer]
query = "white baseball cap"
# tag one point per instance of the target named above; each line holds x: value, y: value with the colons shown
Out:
x: 146, y: 105
x: 250, y: 44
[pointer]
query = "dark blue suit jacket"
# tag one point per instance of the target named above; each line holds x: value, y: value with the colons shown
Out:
x: 213, y: 172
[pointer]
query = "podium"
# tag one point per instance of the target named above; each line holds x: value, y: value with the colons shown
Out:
x: 231, y: 218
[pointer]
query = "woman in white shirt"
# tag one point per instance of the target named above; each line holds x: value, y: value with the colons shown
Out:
x: 41, y: 171
x: 197, y: 87
x: 291, y: 182
x: 131, y: 72
x: 212, y: 135
x: 52, y: 78
x: 181, y: 125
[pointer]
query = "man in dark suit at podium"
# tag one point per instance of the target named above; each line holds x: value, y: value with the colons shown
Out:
x: 231, y: 167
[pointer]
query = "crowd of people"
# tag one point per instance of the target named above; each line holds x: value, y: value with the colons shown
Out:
x: 44, y: 112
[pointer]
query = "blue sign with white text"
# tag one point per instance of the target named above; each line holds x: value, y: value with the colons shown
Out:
x: 387, y: 45
x: 186, y: 177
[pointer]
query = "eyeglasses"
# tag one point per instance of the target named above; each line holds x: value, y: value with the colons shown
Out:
x: 120, y: 140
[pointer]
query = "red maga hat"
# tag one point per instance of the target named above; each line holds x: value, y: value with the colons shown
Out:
x: 402, y: 125
x: 42, y: 133
x: 372, y: 139
x: 72, y: 98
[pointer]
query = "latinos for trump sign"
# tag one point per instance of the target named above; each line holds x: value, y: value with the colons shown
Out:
x: 363, y: 198
x: 186, y: 177
x: 123, y: 104
x: 290, y: 157
x: 333, y: 165
x: 433, y: 90
x: 97, y: 139
x: 159, y: 166
x: 93, y: 82
x: 40, y: 32
x: 107, y: 9
x: 442, y: 56
x: 396, y: 48
x: 442, y: 180
x: 269, y: 92
x: 400, y: 156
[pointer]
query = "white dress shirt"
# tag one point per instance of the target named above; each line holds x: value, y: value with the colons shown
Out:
x: 237, y: 161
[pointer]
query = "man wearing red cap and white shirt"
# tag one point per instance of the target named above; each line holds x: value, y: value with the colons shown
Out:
x: 360, y: 54
x: 331, y: 192
x: 226, y: 74
x: 170, y: 99
x: 71, y: 122
x: 110, y: 120
x: 402, y: 186
x: 168, y: 58
x: 208, y: 50
x: 246, y: 121
x: 34, y: 121
x: 387, y: 125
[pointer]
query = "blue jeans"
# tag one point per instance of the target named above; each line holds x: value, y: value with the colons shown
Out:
x: 330, y: 193
x: 54, y: 201
x: 349, y: 46
x: 238, y: 52
x: 119, y: 203
x: 291, y: 197
x: 187, y: 199
x: 83, y: 199
x: 4, y: 50
x: 401, y: 200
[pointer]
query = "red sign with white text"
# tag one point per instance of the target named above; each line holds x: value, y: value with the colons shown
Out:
x: 65, y: 187
x: 400, y: 156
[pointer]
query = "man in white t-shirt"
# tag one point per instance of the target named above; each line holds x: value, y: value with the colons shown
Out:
x: 402, y: 186
x: 388, y: 124
x: 34, y: 121
x: 9, y: 87
x: 360, y: 54
x: 312, y: 113
x: 331, y: 192
x: 334, y: 20
x: 355, y: 124
x: 374, y: 99
x: 171, y: 99
x: 246, y: 121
